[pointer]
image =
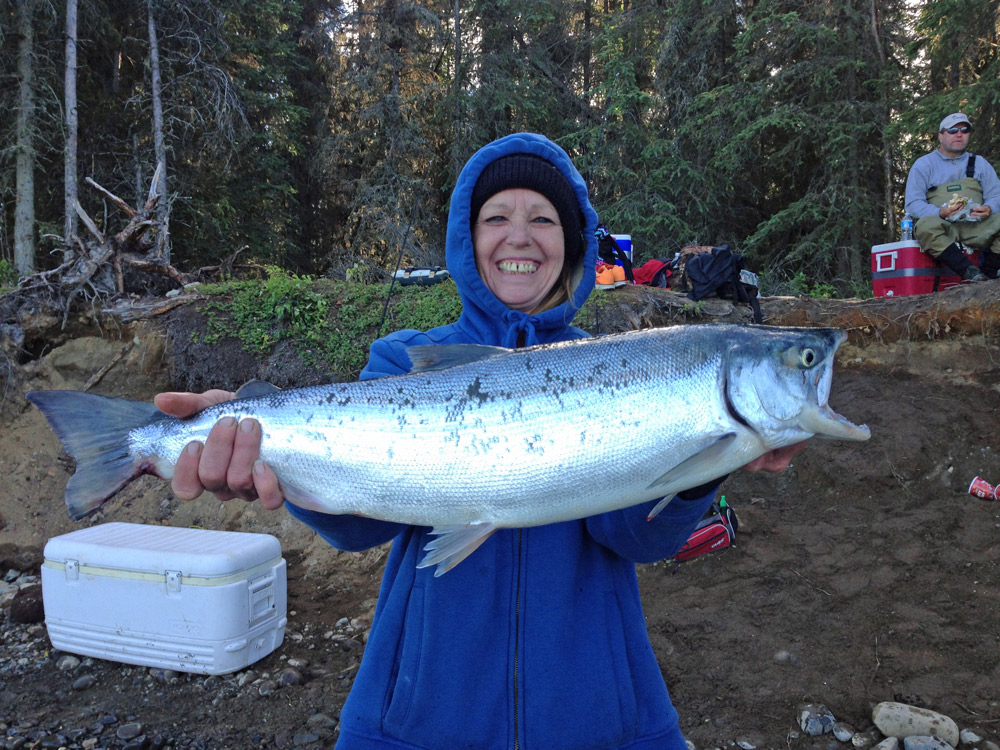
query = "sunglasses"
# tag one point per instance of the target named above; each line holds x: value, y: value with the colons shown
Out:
x: 961, y: 129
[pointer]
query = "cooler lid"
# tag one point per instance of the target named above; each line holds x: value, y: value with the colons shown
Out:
x: 155, y: 549
x: 895, y: 245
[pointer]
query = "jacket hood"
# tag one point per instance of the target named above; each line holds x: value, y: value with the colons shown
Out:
x: 482, y: 312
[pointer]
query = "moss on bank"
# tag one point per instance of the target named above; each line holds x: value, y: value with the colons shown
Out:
x: 329, y: 323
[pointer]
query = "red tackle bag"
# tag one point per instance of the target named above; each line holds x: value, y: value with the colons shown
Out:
x: 717, y: 530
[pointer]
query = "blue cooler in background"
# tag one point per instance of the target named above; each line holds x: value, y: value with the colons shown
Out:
x: 625, y: 243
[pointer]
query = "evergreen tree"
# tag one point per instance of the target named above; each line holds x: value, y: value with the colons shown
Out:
x: 24, y: 213
x: 317, y: 134
x: 804, y: 149
x: 956, y: 67
x: 380, y: 158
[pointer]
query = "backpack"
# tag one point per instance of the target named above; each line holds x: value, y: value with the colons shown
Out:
x: 679, y: 282
x: 718, y: 273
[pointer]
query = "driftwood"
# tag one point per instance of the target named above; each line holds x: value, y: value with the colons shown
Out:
x: 96, y: 377
x: 95, y: 264
x: 132, y: 246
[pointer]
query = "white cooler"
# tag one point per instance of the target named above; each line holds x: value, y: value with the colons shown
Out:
x: 192, y: 600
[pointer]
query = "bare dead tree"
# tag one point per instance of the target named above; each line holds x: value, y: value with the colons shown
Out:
x: 72, y: 126
x: 159, y: 142
x: 95, y: 272
x: 24, y: 210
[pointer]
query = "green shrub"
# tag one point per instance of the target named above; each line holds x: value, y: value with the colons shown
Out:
x: 802, y: 286
x: 8, y: 275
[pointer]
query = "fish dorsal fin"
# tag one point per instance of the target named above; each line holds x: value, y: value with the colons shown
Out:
x: 708, y: 455
x: 452, y: 544
x: 426, y: 358
x: 256, y: 389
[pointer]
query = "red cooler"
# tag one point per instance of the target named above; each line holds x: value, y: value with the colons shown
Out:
x: 901, y: 269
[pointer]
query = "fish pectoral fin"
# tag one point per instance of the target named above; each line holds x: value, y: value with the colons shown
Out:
x: 452, y: 544
x: 707, y: 455
x: 441, y: 357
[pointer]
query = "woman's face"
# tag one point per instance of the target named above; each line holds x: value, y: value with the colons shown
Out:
x: 519, y: 247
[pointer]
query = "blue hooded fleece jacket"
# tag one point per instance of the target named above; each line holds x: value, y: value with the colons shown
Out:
x: 537, y: 640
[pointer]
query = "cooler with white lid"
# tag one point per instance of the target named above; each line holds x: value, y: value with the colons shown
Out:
x: 192, y: 600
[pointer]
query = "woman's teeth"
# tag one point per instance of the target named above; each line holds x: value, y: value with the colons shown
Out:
x: 511, y: 266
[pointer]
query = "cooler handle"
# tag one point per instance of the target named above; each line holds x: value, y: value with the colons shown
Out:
x: 262, y: 604
x: 879, y: 268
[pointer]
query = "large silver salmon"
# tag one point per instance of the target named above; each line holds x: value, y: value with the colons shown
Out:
x: 476, y: 438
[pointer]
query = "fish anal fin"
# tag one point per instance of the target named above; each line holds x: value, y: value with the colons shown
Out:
x: 452, y: 544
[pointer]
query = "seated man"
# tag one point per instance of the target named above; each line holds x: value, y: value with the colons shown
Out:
x: 940, y: 186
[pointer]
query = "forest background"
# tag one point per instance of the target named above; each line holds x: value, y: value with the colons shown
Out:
x: 324, y: 137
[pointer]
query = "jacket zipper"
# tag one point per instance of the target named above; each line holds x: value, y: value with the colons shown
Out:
x: 517, y: 615
x: 517, y: 644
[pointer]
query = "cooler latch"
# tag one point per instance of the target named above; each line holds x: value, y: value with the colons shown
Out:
x: 173, y: 582
x: 72, y: 570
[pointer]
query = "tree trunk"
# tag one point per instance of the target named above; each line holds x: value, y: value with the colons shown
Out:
x: 458, y: 66
x: 138, y: 170
x: 889, y: 206
x: 159, y: 144
x: 72, y: 124
x: 24, y: 209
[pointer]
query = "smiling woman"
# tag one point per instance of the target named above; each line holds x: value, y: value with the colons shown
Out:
x: 541, y: 640
x: 519, y: 247
x: 526, y: 227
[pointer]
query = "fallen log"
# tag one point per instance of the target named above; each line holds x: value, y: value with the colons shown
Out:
x: 966, y: 310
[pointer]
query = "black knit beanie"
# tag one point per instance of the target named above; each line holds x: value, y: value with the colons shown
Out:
x: 538, y: 174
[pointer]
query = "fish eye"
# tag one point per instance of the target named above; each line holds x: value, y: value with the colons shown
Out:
x: 807, y: 357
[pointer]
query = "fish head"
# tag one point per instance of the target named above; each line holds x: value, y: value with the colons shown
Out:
x: 778, y: 386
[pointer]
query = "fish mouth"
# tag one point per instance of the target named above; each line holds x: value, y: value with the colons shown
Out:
x: 517, y: 267
x: 824, y: 422
x: 821, y: 420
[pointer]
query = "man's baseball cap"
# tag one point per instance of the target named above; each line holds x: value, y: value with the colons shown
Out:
x: 954, y: 119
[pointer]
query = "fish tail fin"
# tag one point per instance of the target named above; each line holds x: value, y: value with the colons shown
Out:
x: 94, y: 430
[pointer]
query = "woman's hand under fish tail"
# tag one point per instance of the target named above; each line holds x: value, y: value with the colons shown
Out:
x: 777, y: 460
x: 206, y: 467
x: 265, y: 481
